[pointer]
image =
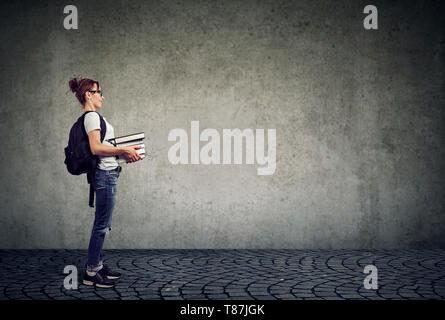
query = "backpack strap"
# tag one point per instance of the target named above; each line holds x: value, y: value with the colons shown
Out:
x: 91, y: 175
x: 91, y: 197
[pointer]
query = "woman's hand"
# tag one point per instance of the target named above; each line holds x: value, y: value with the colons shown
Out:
x: 99, y: 149
x: 130, y: 154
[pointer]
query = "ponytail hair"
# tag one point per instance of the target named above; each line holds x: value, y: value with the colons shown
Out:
x: 81, y: 85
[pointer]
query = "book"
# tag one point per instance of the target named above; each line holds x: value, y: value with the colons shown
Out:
x: 141, y: 152
x: 135, y: 139
x: 129, y: 144
x: 127, y: 138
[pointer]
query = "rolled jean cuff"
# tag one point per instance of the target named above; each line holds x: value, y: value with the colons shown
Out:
x: 95, y: 268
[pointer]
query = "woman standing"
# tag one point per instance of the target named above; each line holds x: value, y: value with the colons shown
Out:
x: 90, y: 96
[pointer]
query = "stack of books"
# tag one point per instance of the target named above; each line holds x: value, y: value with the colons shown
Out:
x: 135, y: 140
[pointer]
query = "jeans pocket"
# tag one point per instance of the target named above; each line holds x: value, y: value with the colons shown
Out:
x: 112, y: 179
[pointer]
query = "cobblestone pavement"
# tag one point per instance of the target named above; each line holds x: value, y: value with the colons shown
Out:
x: 228, y: 274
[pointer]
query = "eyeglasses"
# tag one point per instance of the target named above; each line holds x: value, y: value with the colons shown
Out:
x: 98, y: 91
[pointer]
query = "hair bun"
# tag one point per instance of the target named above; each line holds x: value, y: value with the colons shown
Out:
x: 74, y: 85
x: 80, y: 85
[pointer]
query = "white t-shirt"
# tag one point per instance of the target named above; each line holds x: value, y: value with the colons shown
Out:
x: 92, y: 122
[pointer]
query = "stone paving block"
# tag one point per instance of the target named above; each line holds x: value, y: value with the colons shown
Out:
x: 171, y: 294
x: 331, y: 298
x: 285, y: 296
x: 127, y: 293
x: 217, y: 296
x: 280, y: 291
x: 241, y: 298
x: 149, y: 297
x: 146, y: 291
x: 301, y: 291
x: 194, y: 297
x: 263, y: 297
x: 173, y: 298
x: 213, y: 292
x: 191, y: 292
x: 326, y: 294
x: 92, y: 298
x: 213, y: 287
x: 303, y: 295
x: 351, y: 296
x: 106, y: 293
x: 65, y: 298
x: 237, y: 290
x: 130, y: 298
x: 258, y: 292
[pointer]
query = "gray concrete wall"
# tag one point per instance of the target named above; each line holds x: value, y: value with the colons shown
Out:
x: 359, y: 118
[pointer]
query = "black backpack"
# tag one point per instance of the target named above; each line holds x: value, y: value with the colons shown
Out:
x: 78, y: 156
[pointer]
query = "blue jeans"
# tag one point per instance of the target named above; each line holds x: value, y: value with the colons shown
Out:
x: 106, y: 191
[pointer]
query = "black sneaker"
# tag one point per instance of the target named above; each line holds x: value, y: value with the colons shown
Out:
x: 98, y: 280
x: 110, y: 274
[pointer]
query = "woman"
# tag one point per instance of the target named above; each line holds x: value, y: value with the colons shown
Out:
x: 90, y: 96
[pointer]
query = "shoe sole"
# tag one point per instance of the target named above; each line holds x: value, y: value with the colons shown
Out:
x: 104, y: 285
x: 113, y: 277
x: 88, y: 283
x: 91, y: 283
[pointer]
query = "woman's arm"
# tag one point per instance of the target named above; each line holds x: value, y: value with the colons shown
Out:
x: 100, y: 149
